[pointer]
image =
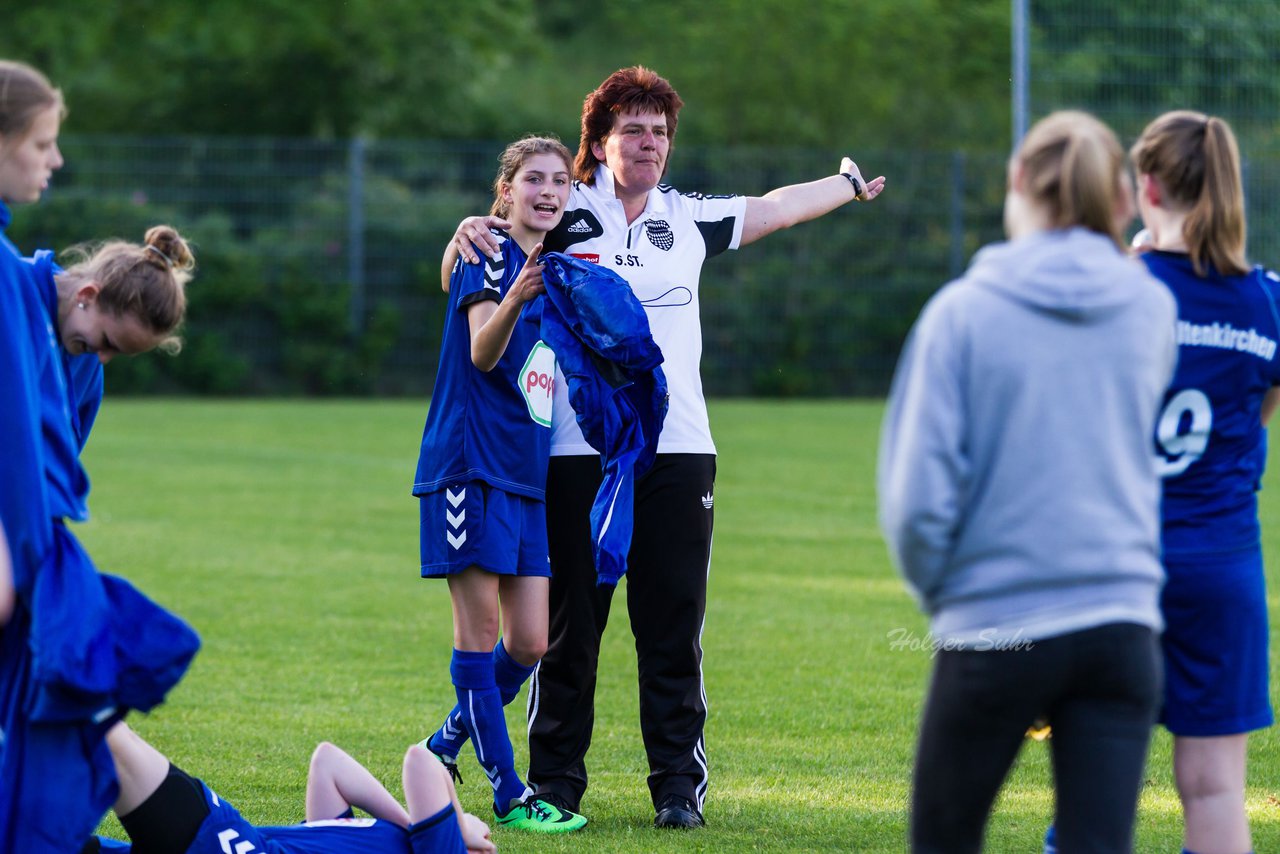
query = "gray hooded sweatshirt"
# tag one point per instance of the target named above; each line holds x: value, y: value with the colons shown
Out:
x: 1017, y: 487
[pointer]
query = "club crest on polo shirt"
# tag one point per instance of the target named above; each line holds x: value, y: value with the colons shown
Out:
x: 660, y: 234
x: 537, y: 382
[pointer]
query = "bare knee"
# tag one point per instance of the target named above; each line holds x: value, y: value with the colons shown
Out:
x: 527, y: 651
x: 476, y: 633
x: 1209, y: 767
x: 426, y: 784
x: 325, y: 754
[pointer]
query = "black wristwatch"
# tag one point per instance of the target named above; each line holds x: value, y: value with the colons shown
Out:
x: 857, y: 185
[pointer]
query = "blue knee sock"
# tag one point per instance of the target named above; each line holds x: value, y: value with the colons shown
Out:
x: 509, y: 673
x: 481, y: 705
x: 510, y: 676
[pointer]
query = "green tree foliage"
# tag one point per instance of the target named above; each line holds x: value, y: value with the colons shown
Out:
x: 1131, y: 61
x: 875, y: 74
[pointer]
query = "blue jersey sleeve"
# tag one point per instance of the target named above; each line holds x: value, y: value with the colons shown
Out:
x: 86, y: 386
x: 24, y: 505
x: 472, y: 283
x: 476, y: 282
x: 1269, y: 283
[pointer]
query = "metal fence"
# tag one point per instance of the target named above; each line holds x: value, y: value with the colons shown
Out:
x: 1128, y: 62
x: 319, y: 261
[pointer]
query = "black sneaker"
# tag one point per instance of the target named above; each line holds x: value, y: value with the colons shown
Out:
x: 677, y: 811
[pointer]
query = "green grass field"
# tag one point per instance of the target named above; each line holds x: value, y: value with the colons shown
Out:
x: 285, y: 533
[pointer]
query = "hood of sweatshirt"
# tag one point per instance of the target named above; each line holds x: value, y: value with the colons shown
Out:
x: 1074, y: 273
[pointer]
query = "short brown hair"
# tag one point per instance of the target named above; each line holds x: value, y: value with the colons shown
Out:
x: 634, y: 89
x: 1196, y: 161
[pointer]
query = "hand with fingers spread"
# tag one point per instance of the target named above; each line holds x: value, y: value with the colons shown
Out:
x: 475, y: 233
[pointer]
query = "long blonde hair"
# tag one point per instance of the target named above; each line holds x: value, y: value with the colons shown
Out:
x: 1195, y: 159
x: 1073, y: 166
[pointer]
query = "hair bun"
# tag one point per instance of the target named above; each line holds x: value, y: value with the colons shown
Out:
x: 169, y: 248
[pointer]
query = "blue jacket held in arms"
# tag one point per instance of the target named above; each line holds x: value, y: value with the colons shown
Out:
x: 600, y: 334
x: 81, y: 648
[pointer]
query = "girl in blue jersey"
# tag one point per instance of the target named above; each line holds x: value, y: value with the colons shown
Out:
x: 1211, y: 446
x: 119, y: 298
x: 164, y: 810
x: 55, y: 773
x: 481, y: 478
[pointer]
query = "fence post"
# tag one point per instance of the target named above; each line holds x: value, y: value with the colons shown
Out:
x: 1021, y: 72
x: 355, y: 233
x: 957, y: 213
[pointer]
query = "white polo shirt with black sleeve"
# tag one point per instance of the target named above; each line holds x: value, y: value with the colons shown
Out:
x: 660, y: 255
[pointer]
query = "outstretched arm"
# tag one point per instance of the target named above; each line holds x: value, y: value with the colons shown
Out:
x: 797, y: 203
x: 428, y: 790
x: 336, y: 782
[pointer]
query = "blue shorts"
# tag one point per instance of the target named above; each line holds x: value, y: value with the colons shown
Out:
x: 1215, y: 644
x: 475, y: 524
x: 224, y: 829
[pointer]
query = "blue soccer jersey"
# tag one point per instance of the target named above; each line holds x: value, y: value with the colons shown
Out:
x: 83, y: 373
x: 1210, y: 442
x: 491, y: 426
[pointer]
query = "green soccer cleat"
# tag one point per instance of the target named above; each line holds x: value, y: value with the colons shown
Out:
x: 450, y: 763
x: 541, y: 814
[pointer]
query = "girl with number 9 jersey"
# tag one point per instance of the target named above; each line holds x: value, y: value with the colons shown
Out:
x: 1211, y: 449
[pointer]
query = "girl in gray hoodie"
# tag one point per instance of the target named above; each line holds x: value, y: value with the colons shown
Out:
x: 1020, y: 502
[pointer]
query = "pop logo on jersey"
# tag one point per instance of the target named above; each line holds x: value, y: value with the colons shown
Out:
x: 660, y: 234
x: 537, y: 382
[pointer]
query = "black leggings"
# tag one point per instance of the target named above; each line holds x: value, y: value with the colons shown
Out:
x: 1099, y: 688
x: 167, y: 822
x: 666, y: 600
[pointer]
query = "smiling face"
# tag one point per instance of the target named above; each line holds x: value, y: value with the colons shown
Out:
x: 635, y: 151
x: 28, y: 161
x: 538, y: 194
x: 86, y: 328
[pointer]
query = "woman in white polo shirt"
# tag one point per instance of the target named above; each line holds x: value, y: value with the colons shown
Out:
x: 656, y: 238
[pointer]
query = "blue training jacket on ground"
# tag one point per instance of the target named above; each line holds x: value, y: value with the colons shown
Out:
x: 1210, y: 442
x: 81, y: 647
x: 592, y: 320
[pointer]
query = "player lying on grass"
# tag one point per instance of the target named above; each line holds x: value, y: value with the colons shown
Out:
x: 166, y: 811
